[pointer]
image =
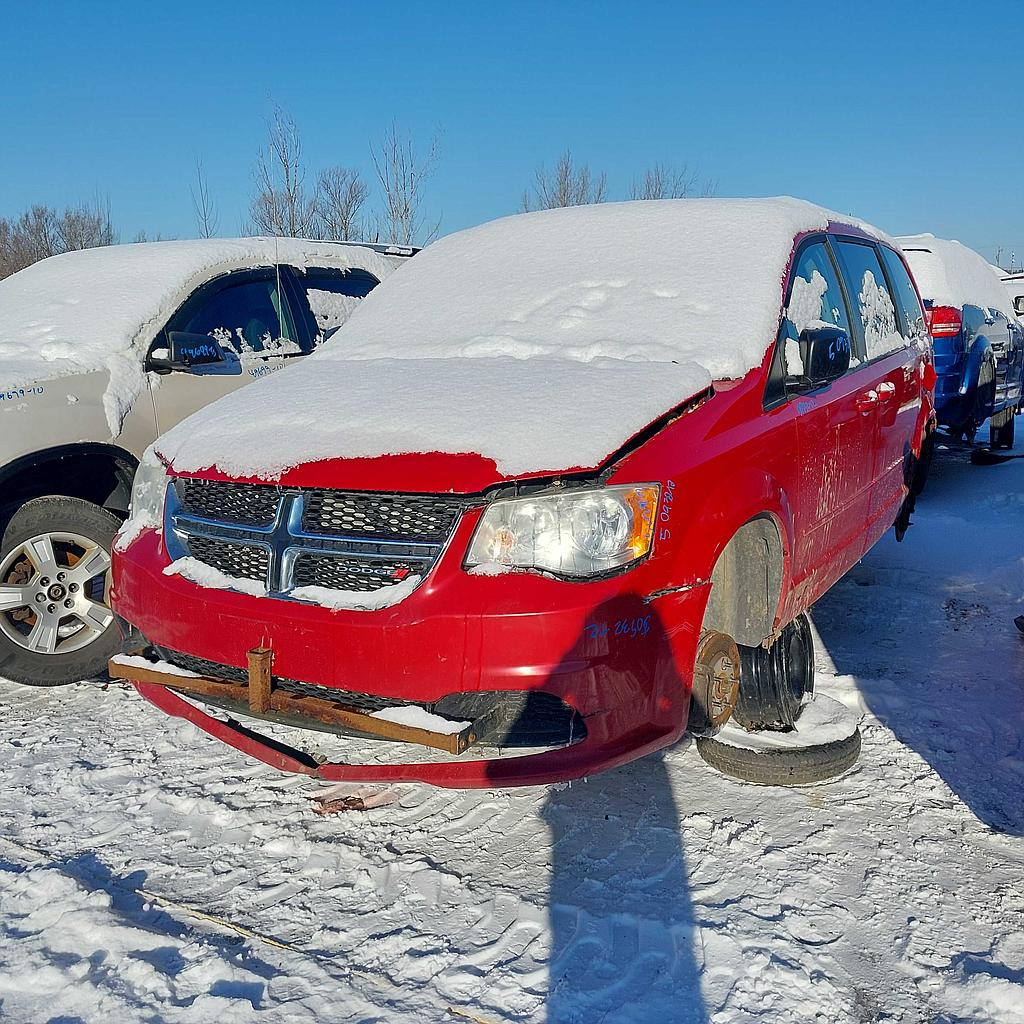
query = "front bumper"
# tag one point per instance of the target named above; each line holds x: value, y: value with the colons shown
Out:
x: 620, y: 658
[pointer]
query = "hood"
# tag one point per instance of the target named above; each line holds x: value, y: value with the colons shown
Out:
x: 481, y: 421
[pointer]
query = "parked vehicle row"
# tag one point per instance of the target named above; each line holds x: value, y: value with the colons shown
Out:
x: 978, y: 341
x: 555, y: 493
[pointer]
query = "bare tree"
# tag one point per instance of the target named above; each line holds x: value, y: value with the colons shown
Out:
x: 663, y: 181
x: 27, y: 239
x: 340, y: 196
x: 44, y: 231
x: 402, y: 176
x: 145, y: 236
x: 281, y: 205
x: 203, y: 205
x: 567, y: 185
x: 84, y: 227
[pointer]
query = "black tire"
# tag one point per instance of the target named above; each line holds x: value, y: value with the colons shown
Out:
x: 59, y: 515
x: 783, y: 767
x: 923, y: 466
x: 774, y: 681
x: 1000, y: 435
x: 984, y: 399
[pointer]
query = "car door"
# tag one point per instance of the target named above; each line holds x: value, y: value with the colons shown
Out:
x: 835, y: 426
x: 999, y: 333
x: 903, y: 373
x: 894, y: 354
x: 249, y: 314
x: 996, y: 331
x: 1015, y: 371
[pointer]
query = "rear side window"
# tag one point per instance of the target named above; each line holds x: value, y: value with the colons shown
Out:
x: 334, y: 294
x: 870, y: 297
x: 907, y: 303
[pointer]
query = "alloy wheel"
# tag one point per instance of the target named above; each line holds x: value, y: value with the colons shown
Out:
x: 54, y: 593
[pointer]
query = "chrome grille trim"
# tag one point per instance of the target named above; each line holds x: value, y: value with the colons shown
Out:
x: 285, y: 537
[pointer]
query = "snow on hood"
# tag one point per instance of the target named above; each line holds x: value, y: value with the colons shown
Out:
x: 99, y: 309
x: 528, y: 415
x: 543, y: 341
x: 950, y: 274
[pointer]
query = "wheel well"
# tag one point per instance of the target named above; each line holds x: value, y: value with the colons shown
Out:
x: 746, y: 583
x: 101, y: 474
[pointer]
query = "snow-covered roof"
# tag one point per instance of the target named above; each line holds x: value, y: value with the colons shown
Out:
x: 95, y: 309
x: 542, y: 341
x: 654, y: 281
x: 950, y: 274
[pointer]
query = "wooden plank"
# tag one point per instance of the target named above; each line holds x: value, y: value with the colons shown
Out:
x: 260, y: 659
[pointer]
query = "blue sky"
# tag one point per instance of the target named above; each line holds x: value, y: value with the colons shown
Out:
x: 899, y: 113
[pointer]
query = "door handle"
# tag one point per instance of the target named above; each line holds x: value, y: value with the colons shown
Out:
x: 866, y: 402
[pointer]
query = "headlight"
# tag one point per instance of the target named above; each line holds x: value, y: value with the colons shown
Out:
x: 147, y: 506
x: 578, y: 533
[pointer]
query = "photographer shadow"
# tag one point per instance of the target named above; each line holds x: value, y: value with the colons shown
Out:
x: 620, y: 914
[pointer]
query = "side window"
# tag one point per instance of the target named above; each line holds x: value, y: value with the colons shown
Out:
x: 245, y: 315
x: 907, y: 303
x: 815, y: 300
x: 334, y: 294
x: 869, y: 295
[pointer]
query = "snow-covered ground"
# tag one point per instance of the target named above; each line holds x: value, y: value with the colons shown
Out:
x: 661, y: 892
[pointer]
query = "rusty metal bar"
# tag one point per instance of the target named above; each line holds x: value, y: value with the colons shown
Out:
x: 329, y: 712
x: 260, y: 659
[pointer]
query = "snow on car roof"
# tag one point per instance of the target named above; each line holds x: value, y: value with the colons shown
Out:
x: 950, y: 274
x: 652, y: 281
x: 96, y: 309
x: 543, y: 341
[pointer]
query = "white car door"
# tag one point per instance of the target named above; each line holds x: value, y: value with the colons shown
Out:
x: 249, y: 314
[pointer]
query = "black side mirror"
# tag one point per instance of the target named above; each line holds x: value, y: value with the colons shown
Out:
x: 184, y: 351
x: 825, y: 354
x: 1018, y: 305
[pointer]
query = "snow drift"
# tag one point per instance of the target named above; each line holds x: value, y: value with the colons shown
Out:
x: 542, y: 341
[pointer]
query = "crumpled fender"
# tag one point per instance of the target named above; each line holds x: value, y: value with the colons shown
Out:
x: 702, y: 533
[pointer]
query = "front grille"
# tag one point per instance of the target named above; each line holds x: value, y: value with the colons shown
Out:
x: 350, y: 574
x: 240, y: 560
x: 235, y: 503
x: 380, y: 515
x: 355, y: 541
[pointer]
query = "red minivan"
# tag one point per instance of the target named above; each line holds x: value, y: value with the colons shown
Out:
x: 548, y: 490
